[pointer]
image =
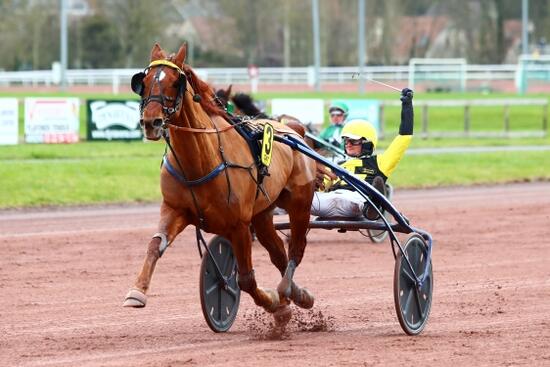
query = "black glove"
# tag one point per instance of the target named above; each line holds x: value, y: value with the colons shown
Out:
x: 406, y: 96
x: 407, y: 114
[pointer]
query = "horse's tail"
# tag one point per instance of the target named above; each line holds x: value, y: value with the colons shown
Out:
x: 246, y: 105
x: 322, y: 172
x: 296, y: 126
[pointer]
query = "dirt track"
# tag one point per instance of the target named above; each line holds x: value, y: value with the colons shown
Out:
x: 64, y: 273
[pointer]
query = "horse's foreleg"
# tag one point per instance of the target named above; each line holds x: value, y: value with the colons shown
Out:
x: 170, y: 225
x: 241, y: 241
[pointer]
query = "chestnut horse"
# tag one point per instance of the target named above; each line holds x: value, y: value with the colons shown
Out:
x: 209, y: 180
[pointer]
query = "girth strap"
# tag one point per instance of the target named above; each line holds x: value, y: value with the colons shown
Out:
x: 190, y: 183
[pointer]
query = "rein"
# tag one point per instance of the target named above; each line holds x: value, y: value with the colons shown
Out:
x: 202, y: 130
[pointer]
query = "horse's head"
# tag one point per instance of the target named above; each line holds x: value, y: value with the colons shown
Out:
x: 222, y: 96
x: 161, y: 86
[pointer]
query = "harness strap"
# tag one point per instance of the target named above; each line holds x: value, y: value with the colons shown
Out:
x: 190, y: 183
x: 167, y: 63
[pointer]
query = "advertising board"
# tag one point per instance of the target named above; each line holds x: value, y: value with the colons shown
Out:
x: 9, y: 121
x: 51, y: 120
x: 113, y: 120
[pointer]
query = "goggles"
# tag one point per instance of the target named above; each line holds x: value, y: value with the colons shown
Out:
x: 353, y: 141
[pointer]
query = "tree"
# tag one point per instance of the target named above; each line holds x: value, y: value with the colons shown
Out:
x: 99, y: 42
x: 120, y: 33
x: 339, y: 32
x: 139, y: 24
x: 259, y: 25
x: 30, y: 34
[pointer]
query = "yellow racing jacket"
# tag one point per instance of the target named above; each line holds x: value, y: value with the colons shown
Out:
x: 366, y: 168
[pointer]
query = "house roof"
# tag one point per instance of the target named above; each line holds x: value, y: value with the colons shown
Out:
x: 418, y: 34
x: 211, y: 33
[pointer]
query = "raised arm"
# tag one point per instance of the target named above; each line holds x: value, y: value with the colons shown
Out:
x: 396, y: 150
x: 407, y: 114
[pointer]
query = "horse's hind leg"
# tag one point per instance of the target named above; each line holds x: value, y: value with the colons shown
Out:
x: 263, y: 224
x: 266, y: 234
x: 170, y: 225
x: 241, y: 240
x: 299, y: 212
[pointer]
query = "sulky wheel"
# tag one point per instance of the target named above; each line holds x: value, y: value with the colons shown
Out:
x: 220, y: 295
x: 413, y: 302
x: 377, y: 235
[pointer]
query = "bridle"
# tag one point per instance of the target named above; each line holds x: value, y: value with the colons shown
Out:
x: 169, y: 105
x: 168, y: 112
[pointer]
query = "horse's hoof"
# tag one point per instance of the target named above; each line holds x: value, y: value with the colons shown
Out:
x: 282, y: 315
x: 274, y: 297
x: 135, y: 298
x: 302, y: 297
x: 284, y: 288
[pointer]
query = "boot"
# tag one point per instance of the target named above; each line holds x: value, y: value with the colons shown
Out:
x: 370, y: 212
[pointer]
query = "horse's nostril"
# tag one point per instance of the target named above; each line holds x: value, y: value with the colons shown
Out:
x: 141, y: 123
x: 157, y: 122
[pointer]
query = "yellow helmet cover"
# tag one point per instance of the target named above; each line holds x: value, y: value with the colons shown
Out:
x: 359, y: 128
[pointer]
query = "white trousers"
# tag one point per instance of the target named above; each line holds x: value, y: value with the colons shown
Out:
x: 337, y: 203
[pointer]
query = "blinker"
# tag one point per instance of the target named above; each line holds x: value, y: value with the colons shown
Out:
x: 137, y: 83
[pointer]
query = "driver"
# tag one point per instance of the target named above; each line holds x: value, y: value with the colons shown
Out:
x: 338, y: 113
x: 339, y: 199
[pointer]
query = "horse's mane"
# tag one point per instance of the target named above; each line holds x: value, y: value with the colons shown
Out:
x: 207, y: 100
x: 245, y: 103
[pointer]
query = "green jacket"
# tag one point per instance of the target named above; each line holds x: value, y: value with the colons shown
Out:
x: 332, y: 135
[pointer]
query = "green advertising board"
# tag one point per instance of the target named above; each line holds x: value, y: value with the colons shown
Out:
x: 113, y: 120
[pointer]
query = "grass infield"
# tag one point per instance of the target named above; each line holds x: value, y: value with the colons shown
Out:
x: 121, y: 172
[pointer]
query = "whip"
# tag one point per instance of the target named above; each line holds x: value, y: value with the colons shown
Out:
x: 357, y: 76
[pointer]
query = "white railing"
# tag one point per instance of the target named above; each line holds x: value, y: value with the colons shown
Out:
x: 267, y: 75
